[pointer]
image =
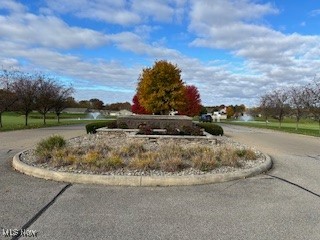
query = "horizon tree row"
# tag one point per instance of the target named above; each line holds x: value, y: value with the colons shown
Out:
x: 297, y: 102
x: 161, y: 90
x: 25, y: 92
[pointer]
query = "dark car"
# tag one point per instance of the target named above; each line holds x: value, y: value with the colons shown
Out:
x: 205, y: 118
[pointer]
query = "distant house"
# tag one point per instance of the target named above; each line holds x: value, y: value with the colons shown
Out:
x: 125, y: 112
x: 122, y: 112
x: 223, y: 111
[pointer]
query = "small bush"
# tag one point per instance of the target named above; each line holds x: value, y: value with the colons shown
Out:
x: 112, y: 124
x: 91, y: 157
x: 145, y: 130
x: 45, y: 147
x: 114, y: 162
x: 92, y: 127
x: 247, y: 154
x: 193, y: 131
x: 211, y: 128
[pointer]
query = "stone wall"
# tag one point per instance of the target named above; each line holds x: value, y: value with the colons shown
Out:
x: 155, y: 121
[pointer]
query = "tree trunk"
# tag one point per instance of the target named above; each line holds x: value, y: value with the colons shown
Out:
x: 58, y: 116
x: 26, y: 119
x: 1, y: 120
x: 44, y: 119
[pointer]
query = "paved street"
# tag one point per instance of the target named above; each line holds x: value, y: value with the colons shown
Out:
x: 282, y: 204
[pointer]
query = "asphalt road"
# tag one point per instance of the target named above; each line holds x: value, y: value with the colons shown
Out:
x: 282, y: 204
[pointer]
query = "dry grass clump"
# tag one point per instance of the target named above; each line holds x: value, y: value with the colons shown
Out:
x: 226, y: 156
x: 167, y: 156
x: 132, y: 149
x: 205, y: 159
x: 173, y: 164
x: 145, y: 161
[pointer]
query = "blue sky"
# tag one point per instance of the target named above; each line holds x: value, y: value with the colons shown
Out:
x: 232, y: 50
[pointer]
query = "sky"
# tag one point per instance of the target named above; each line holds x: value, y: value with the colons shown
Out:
x: 233, y: 51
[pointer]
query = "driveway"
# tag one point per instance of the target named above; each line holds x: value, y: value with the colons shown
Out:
x: 282, y: 204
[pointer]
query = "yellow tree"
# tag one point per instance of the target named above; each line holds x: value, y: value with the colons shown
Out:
x: 161, y: 89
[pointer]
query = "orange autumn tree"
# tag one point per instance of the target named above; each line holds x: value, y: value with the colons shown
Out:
x: 161, y: 89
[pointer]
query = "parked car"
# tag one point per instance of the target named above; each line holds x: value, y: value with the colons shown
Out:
x: 205, y: 118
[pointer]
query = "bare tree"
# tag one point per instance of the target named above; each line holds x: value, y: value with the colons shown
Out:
x: 25, y: 88
x: 276, y: 103
x: 62, y: 95
x: 45, y: 95
x: 7, y: 96
x: 297, y: 98
x: 312, y: 100
x: 266, y: 106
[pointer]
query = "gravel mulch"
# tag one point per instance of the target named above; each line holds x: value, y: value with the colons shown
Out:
x: 116, y: 139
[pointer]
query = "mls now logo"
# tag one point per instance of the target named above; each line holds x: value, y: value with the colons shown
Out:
x: 19, y: 233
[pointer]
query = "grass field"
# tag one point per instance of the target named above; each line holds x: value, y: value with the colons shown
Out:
x: 15, y: 121
x: 306, y: 127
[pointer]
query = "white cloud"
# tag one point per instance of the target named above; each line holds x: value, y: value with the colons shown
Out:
x: 48, y: 31
x: 116, y: 12
x: 121, y: 12
x: 267, y: 58
x: 281, y: 58
x: 155, y: 9
x: 12, y: 6
x: 315, y: 12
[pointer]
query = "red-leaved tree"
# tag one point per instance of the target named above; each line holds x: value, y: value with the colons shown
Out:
x: 193, y: 102
x: 136, y: 107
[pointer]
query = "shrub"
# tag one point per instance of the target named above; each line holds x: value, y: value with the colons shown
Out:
x: 114, y: 162
x: 172, y: 130
x: 91, y: 157
x: 92, y: 127
x: 194, y: 131
x: 145, y: 130
x: 247, y: 154
x: 112, y: 124
x: 45, y: 147
x: 212, y: 128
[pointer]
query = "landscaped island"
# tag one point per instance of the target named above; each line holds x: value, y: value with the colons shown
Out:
x: 116, y: 153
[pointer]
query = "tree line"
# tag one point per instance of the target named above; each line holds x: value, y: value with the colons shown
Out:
x: 296, y: 102
x: 97, y: 104
x: 25, y: 92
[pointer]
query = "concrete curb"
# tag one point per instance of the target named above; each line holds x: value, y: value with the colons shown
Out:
x: 138, y: 180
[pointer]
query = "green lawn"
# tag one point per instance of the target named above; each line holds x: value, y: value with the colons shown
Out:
x: 15, y: 121
x: 306, y: 127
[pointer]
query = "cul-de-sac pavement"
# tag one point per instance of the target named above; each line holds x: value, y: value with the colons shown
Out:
x: 283, y: 203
